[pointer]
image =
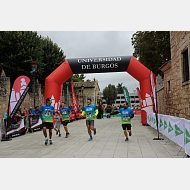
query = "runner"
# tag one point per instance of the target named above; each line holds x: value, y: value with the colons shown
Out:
x: 126, y: 116
x: 57, y: 123
x: 91, y: 112
x: 66, y: 112
x: 46, y: 112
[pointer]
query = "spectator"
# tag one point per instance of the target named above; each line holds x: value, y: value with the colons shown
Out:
x: 26, y: 112
x: 19, y: 109
x: 99, y: 111
x: 103, y: 109
x: 108, y: 110
x: 6, y: 114
x: 113, y: 108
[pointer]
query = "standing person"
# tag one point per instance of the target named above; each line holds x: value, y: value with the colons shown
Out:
x: 113, y: 108
x: 91, y: 112
x: 46, y: 112
x: 99, y: 111
x: 102, y: 114
x: 57, y: 123
x: 66, y: 112
x: 126, y: 116
x: 108, y: 111
x: 26, y: 120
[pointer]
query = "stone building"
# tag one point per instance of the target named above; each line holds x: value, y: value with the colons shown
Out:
x: 91, y: 90
x: 174, y: 91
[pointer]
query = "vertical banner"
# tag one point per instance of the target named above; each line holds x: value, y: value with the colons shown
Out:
x: 153, y: 88
x: 74, y: 100
x: 68, y: 95
x: 140, y: 99
x: 18, y: 93
x: 126, y: 95
x: 187, y: 136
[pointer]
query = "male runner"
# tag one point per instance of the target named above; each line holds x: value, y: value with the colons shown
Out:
x: 91, y: 112
x: 46, y: 112
x: 66, y: 112
x: 126, y: 116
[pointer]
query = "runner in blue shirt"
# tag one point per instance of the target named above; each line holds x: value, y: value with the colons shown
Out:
x: 65, y: 112
x: 46, y: 113
x: 91, y: 112
x: 126, y: 116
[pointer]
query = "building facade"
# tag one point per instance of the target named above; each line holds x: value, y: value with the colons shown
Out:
x: 173, y: 90
x: 134, y: 100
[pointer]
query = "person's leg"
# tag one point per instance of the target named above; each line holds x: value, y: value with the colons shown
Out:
x: 66, y: 130
x: 50, y: 133
x: 125, y: 133
x: 129, y: 129
x: 124, y: 126
x: 44, y: 132
x: 89, y: 131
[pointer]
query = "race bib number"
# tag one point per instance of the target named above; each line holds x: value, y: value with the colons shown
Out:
x: 64, y: 112
x: 125, y: 118
x: 47, y: 113
x: 89, y: 115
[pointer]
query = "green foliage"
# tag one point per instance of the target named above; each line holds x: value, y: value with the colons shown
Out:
x: 120, y: 88
x: 19, y: 48
x: 17, y: 51
x: 110, y: 93
x: 152, y: 48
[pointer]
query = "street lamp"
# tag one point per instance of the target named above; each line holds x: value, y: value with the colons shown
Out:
x: 82, y: 87
x: 33, y: 72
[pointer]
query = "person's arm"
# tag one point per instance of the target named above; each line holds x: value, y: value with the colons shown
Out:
x: 83, y: 113
x: 132, y: 114
x: 96, y: 112
x: 41, y: 110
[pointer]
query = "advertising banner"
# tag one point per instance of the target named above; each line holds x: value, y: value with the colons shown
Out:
x: 126, y: 95
x: 75, y: 104
x: 187, y: 136
x: 16, y: 128
x: 36, y: 122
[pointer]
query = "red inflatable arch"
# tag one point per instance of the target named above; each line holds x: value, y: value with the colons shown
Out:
x: 53, y: 83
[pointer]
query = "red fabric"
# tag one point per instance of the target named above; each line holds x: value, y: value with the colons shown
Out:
x: 74, y: 100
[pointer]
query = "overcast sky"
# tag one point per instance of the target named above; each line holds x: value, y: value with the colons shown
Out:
x: 84, y: 44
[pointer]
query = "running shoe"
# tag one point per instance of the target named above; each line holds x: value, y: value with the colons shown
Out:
x: 67, y: 134
x: 90, y: 139
x: 50, y: 142
x: 59, y: 135
x: 46, y: 141
x: 126, y: 139
x: 94, y: 131
x: 130, y: 133
x: 56, y: 132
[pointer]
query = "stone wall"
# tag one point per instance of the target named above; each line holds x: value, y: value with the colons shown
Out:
x: 176, y: 101
x: 4, y: 94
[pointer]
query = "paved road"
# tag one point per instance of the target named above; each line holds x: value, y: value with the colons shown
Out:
x: 109, y: 142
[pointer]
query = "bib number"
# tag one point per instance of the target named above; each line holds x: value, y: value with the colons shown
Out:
x: 125, y: 118
x: 89, y: 115
x: 64, y: 112
x: 47, y: 113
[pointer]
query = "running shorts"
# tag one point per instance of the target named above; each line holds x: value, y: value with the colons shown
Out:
x: 90, y: 122
x: 57, y: 125
x: 47, y: 125
x: 65, y: 122
x: 128, y: 126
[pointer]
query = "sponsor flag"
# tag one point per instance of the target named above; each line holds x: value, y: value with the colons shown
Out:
x: 75, y: 104
x: 18, y: 93
x: 68, y: 95
x: 126, y: 95
x: 140, y: 99
x: 153, y: 88
x: 187, y: 136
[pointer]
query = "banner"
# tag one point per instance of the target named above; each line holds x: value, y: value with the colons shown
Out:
x: 140, y: 99
x: 126, y: 95
x: 36, y: 122
x: 16, y: 128
x: 18, y: 93
x: 68, y: 95
x: 75, y: 105
x: 170, y: 126
x: 187, y: 136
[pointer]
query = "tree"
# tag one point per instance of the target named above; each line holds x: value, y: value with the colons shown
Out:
x: 120, y: 88
x: 52, y: 57
x: 110, y: 94
x: 17, y: 50
x: 152, y: 48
